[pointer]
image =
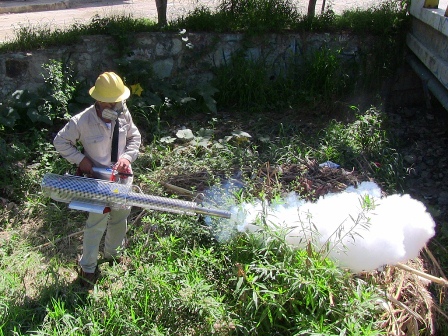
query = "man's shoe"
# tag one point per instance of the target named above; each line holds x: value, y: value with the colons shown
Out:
x: 88, y: 280
x: 114, y: 261
x: 118, y: 260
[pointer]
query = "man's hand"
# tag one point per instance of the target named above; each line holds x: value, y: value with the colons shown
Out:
x: 123, y: 166
x: 85, y: 166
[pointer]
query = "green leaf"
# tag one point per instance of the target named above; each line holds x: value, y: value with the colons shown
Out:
x: 18, y: 94
x: 241, y: 134
x: 255, y: 299
x: 8, y: 117
x: 206, y: 133
x: 34, y: 116
x: 240, y: 282
x: 207, y: 90
x: 24, y: 99
x: 186, y: 100
x: 167, y: 139
x: 210, y: 103
x: 201, y: 142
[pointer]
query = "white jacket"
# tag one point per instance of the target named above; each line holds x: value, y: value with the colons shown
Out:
x: 95, y: 137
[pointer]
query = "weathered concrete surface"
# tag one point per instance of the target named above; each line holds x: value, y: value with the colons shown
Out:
x: 427, y: 39
x: 189, y: 57
x: 167, y: 53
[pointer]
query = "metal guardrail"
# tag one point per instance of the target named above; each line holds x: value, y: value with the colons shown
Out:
x: 428, y: 41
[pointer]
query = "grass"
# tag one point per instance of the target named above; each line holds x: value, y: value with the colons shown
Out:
x: 176, y: 288
x: 31, y: 36
x: 180, y: 279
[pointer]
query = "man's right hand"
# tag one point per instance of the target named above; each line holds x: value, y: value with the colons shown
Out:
x: 85, y: 166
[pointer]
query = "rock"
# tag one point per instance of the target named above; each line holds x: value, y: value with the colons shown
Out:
x: 443, y: 198
x: 410, y: 159
x: 425, y: 155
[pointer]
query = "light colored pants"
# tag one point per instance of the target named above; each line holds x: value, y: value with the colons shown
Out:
x: 115, y: 225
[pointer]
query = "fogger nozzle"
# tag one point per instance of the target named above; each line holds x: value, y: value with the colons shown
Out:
x: 69, y: 189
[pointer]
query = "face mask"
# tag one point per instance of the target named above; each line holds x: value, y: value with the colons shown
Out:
x: 109, y: 114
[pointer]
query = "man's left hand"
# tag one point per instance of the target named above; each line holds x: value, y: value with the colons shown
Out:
x: 123, y: 166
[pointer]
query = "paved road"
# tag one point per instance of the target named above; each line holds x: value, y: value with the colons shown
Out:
x: 64, y: 13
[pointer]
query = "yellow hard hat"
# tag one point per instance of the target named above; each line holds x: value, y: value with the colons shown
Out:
x: 109, y: 88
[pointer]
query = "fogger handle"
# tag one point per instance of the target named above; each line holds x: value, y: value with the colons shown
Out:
x: 110, y: 174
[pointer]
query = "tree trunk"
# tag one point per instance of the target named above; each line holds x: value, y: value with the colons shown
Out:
x: 311, y: 8
x: 161, y: 6
x: 323, y: 7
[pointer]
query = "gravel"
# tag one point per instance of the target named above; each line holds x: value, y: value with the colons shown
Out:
x: 422, y: 135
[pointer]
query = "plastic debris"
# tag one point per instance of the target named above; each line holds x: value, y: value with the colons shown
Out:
x: 329, y: 164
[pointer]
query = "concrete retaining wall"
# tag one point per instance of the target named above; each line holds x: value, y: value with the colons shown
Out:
x: 427, y: 39
x: 172, y: 56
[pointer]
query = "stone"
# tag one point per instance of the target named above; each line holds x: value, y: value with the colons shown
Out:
x: 15, y: 68
x: 443, y: 198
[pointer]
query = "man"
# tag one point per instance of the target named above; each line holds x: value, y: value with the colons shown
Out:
x: 95, y: 129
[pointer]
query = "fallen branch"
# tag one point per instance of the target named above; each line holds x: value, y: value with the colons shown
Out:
x: 402, y: 305
x: 440, y: 311
x: 180, y: 191
x: 59, y: 239
x: 440, y: 281
x: 435, y: 262
x: 140, y: 215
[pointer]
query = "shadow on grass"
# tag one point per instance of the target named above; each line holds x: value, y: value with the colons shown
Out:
x: 55, y: 302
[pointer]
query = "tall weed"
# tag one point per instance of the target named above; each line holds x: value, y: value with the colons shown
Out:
x: 283, y: 290
x: 259, y: 16
x: 364, y: 144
